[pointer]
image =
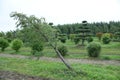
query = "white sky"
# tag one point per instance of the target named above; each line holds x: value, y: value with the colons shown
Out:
x: 60, y: 11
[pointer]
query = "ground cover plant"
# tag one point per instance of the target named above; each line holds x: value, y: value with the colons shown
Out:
x: 57, y: 71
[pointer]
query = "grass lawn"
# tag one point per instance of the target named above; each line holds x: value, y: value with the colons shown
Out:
x: 57, y: 71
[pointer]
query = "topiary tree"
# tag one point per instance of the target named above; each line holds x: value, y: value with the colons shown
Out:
x: 3, y: 43
x: 93, y: 49
x: 83, y: 32
x: 76, y: 40
x: 62, y: 38
x: 89, y: 39
x: 63, y: 50
x: 99, y: 35
x: 117, y: 35
x: 37, y: 48
x: 106, y: 38
x: 72, y: 36
x: 17, y: 44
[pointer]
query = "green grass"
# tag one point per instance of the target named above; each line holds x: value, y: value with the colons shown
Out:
x: 109, y: 51
x: 58, y: 71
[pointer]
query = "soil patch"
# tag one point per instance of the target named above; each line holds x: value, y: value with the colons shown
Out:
x: 7, y: 75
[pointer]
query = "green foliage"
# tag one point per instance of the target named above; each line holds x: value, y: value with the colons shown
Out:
x: 83, y: 32
x: 3, y: 43
x: 62, y: 38
x: 106, y: 38
x: 9, y: 36
x: 93, y: 49
x: 72, y: 36
x: 99, y: 35
x: 37, y: 48
x: 76, y: 40
x: 2, y: 34
x: 17, y: 44
x: 63, y: 50
x: 95, y: 27
x: 89, y: 39
x: 117, y: 35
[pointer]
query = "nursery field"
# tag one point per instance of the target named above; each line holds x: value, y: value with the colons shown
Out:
x: 108, y: 52
x: 43, y: 49
x: 55, y: 70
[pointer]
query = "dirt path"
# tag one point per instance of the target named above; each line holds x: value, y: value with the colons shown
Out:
x: 8, y: 75
x: 81, y: 61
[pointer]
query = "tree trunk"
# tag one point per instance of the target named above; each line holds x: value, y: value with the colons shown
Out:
x: 61, y: 57
x: 63, y: 60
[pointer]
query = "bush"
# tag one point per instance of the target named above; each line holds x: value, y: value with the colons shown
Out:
x: 3, y: 43
x: 72, y: 36
x: 89, y: 39
x: 17, y: 44
x: 63, y: 40
x: 99, y: 35
x: 93, y: 49
x: 106, y: 38
x: 76, y: 40
x: 37, y: 47
x: 63, y: 50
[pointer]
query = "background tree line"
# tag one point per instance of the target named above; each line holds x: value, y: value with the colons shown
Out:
x: 103, y: 27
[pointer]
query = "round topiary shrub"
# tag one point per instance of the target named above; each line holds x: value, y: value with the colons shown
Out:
x: 63, y: 50
x: 93, y: 49
x: 3, y: 43
x: 37, y: 47
x: 63, y: 40
x: 106, y: 38
x: 99, y: 35
x: 17, y: 44
x: 89, y: 39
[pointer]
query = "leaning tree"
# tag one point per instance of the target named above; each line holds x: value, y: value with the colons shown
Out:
x: 39, y: 26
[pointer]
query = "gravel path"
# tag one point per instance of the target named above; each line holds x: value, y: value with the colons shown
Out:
x: 81, y: 61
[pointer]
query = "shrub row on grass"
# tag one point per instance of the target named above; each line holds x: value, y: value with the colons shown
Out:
x: 3, y: 43
x: 16, y: 44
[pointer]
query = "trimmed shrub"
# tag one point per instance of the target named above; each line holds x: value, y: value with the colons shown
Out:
x: 89, y: 39
x: 63, y: 40
x: 17, y: 44
x: 99, y: 35
x: 76, y: 40
x: 37, y: 48
x: 106, y: 38
x: 93, y: 49
x: 72, y: 36
x: 63, y: 50
x: 3, y: 43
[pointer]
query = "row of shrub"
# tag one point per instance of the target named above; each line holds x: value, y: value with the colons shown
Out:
x: 16, y: 44
x: 106, y: 38
x: 93, y: 49
x: 37, y: 47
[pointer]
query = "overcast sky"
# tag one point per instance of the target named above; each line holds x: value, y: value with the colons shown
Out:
x: 60, y: 11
